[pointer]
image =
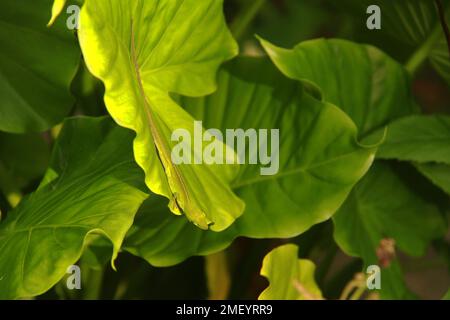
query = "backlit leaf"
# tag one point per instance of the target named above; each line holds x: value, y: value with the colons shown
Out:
x: 142, y: 51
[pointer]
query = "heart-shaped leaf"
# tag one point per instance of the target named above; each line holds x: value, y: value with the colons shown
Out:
x: 320, y: 160
x: 360, y: 79
x: 142, y: 51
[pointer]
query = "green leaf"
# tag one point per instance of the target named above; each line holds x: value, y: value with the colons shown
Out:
x: 142, y: 51
x: 438, y: 173
x: 57, y: 8
x: 320, y: 162
x: 96, y: 189
x: 37, y: 66
x: 290, y: 278
x: 418, y: 138
x: 383, y: 206
x: 360, y: 79
x: 424, y: 140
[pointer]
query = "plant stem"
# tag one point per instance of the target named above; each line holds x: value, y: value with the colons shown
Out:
x: 358, y: 293
x: 121, y: 290
x: 218, y: 276
x: 422, y: 53
x: 93, y: 286
x: 353, y: 288
x: 244, y: 19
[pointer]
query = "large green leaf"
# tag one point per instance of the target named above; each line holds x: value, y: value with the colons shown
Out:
x: 418, y: 138
x: 93, y: 187
x: 37, y: 65
x: 142, y: 51
x: 290, y: 278
x: 382, y: 206
x: 360, y: 79
x: 320, y: 161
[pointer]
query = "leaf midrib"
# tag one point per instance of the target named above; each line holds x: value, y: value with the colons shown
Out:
x: 161, y: 148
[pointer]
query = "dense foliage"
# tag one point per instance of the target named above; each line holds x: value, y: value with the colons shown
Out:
x: 86, y: 131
